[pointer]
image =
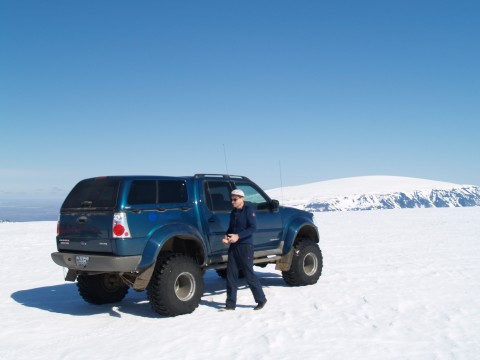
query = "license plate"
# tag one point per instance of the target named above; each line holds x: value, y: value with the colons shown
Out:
x: 82, y: 261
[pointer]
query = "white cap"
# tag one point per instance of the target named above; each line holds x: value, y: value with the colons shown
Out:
x: 238, y: 192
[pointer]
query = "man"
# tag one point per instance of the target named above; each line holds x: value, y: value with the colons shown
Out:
x: 239, y: 237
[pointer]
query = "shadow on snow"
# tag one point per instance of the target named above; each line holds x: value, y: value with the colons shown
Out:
x: 64, y: 298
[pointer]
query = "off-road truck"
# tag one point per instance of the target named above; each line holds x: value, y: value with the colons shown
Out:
x: 160, y: 234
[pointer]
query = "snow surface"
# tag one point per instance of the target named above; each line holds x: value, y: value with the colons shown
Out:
x: 397, y: 284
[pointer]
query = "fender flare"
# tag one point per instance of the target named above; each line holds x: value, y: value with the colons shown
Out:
x: 163, y: 234
x: 296, y: 226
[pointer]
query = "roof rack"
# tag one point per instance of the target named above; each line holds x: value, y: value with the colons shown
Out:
x: 223, y: 176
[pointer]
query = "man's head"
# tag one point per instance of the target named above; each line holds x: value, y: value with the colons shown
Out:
x: 238, y: 198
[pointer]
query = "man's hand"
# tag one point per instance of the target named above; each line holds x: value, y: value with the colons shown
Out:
x: 225, y: 240
x: 233, y: 238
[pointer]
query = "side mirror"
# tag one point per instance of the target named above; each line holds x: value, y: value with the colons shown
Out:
x: 274, y: 205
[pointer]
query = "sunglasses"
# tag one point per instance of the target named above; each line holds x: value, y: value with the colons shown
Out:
x: 235, y: 199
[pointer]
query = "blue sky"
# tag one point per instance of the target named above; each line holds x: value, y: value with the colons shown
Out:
x: 317, y: 89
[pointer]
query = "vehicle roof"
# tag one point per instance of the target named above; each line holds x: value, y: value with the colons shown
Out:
x: 169, y: 177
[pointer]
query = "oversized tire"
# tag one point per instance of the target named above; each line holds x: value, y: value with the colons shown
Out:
x: 102, y: 288
x: 176, y: 286
x: 307, y: 264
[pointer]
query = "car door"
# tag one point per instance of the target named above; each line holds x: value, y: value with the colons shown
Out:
x: 216, y: 213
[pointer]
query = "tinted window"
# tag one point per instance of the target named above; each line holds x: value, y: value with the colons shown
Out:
x: 142, y: 192
x: 217, y: 196
x: 172, y: 191
x: 162, y: 192
x: 93, y: 193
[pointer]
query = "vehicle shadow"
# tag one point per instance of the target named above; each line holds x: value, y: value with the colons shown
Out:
x: 64, y: 298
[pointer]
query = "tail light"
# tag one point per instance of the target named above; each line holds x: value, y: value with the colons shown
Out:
x: 120, y: 226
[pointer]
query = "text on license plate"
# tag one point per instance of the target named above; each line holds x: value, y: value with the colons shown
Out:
x: 82, y: 261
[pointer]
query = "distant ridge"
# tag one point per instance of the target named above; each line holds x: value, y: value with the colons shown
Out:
x: 375, y: 193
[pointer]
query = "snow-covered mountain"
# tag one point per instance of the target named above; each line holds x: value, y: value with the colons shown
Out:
x: 376, y: 192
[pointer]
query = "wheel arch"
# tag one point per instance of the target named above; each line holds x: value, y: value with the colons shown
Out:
x: 299, y: 228
x: 178, y: 238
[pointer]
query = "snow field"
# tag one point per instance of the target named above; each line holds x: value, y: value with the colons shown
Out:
x: 397, y: 284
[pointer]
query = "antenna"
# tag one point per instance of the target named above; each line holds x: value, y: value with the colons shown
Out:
x: 281, y: 180
x: 225, y: 156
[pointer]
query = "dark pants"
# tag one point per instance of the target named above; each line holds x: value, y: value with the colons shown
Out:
x: 240, y: 257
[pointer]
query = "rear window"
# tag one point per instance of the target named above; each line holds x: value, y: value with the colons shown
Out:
x: 99, y: 193
x: 161, y: 192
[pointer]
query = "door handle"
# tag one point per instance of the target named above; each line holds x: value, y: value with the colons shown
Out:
x: 212, y: 219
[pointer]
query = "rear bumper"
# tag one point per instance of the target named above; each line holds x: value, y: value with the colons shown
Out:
x: 98, y: 262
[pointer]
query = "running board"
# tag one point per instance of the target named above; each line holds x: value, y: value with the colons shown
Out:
x: 259, y: 257
x: 266, y: 260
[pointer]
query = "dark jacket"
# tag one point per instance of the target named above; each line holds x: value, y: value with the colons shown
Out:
x: 244, y: 223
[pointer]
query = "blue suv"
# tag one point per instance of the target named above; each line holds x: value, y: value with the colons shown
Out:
x: 161, y: 233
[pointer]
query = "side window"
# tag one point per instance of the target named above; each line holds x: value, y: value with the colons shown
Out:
x: 169, y: 191
x: 172, y: 191
x: 142, y: 192
x: 253, y: 196
x: 217, y: 195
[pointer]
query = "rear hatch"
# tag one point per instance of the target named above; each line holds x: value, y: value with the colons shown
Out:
x: 86, y: 216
